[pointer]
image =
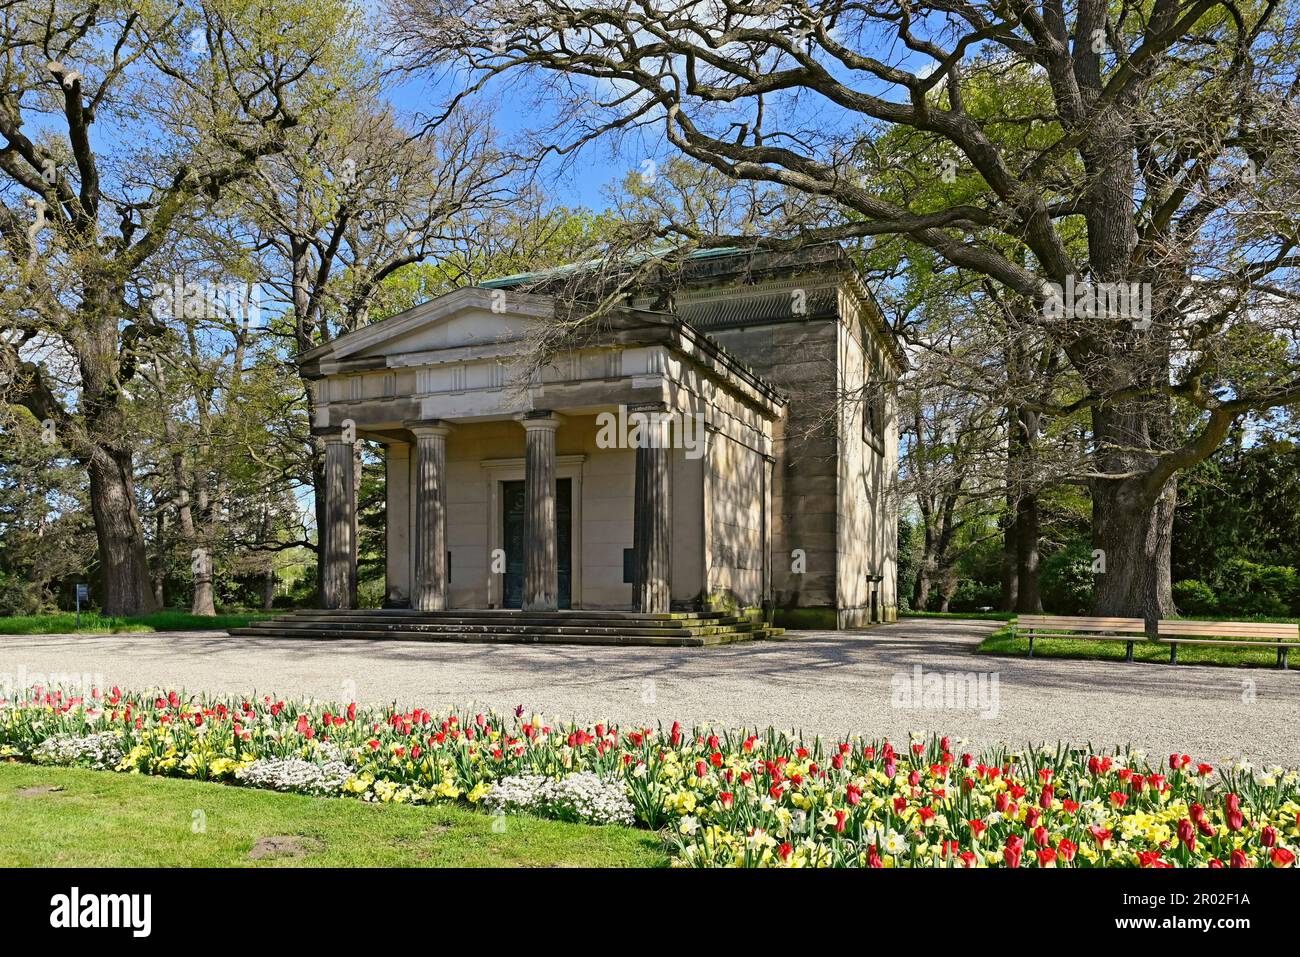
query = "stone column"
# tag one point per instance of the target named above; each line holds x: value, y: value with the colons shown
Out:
x: 429, y: 583
x: 541, y: 569
x: 398, y: 524
x: 338, y: 537
x: 652, y: 513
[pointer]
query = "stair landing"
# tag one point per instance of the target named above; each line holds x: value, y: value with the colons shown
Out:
x: 511, y: 626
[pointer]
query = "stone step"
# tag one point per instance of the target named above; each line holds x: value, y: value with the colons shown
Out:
x: 480, y: 627
x: 540, y: 621
x: 529, y: 637
x: 498, y: 614
x: 511, y: 626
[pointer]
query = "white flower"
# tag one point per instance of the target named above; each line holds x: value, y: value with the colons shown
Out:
x: 688, y: 825
x: 99, y: 751
x: 583, y: 797
x: 293, y: 774
x: 895, y: 844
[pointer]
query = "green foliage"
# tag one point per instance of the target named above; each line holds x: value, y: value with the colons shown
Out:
x: 909, y: 558
x: 92, y: 622
x: 1066, y: 580
x: 1193, y: 597
x: 973, y: 596
x: 1242, y: 502
x: 1247, y: 588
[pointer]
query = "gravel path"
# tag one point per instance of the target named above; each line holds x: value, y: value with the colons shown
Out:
x: 824, y: 682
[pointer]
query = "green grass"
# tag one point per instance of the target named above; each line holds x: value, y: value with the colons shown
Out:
x: 105, y: 819
x: 93, y: 623
x: 1001, y: 643
x: 982, y: 615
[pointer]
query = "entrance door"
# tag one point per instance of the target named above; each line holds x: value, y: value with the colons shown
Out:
x: 513, y: 504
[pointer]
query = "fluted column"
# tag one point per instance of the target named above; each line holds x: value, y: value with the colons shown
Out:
x: 338, y: 537
x: 652, y: 514
x: 541, y: 569
x: 429, y: 587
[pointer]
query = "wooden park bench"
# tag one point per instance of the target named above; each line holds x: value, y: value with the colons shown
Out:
x: 1093, y: 629
x: 1247, y: 634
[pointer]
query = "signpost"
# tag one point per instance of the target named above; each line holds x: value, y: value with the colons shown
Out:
x: 83, y: 594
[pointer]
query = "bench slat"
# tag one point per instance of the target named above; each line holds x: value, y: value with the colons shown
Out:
x: 1062, y: 621
x: 1086, y: 637
x: 1227, y: 631
x: 1239, y: 642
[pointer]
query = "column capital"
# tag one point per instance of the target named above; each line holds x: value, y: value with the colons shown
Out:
x: 656, y: 405
x: 540, y: 419
x: 422, y: 427
x: 344, y: 434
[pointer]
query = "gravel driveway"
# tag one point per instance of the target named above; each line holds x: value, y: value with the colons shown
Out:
x: 826, y: 682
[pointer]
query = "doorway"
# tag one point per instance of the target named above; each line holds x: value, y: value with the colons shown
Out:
x: 513, y: 505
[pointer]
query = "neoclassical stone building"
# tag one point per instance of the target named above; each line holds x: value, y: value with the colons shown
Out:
x: 535, y: 496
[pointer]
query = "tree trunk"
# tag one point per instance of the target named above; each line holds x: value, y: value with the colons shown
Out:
x: 1027, y: 524
x: 202, y: 603
x: 160, y: 559
x: 268, y: 587
x: 1132, y: 524
x: 1010, y: 565
x: 120, y: 534
x: 1133, y: 536
x: 1028, y: 600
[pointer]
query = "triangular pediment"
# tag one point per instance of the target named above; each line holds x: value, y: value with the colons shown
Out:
x: 467, y: 317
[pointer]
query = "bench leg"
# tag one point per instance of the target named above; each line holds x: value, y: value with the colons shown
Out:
x: 1285, y: 653
x: 1031, y: 646
x: 1173, y: 654
x: 1129, y: 659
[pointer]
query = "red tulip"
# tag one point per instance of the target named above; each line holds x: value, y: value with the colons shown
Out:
x: 977, y: 827
x: 1046, y: 857
x: 1282, y: 857
x: 1067, y: 849
x: 786, y: 851
x: 1239, y: 859
x: 1045, y: 798
x: 1012, y: 849
x: 1187, y: 834
x: 1268, y: 836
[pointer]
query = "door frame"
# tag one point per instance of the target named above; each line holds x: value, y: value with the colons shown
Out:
x: 497, y: 471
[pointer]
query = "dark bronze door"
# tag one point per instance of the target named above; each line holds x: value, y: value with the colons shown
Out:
x: 513, y: 504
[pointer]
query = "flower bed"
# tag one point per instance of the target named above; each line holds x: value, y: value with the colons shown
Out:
x: 719, y: 797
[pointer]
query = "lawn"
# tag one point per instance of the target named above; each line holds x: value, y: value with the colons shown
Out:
x: 1002, y: 643
x: 102, y: 819
x: 980, y: 615
x: 93, y: 623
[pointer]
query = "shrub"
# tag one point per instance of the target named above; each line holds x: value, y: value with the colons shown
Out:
x: 1248, y: 588
x: 1065, y: 580
x: 1195, y: 598
x: 972, y: 596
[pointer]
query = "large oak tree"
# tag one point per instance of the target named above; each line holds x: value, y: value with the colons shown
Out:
x: 1149, y: 143
x: 118, y: 120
